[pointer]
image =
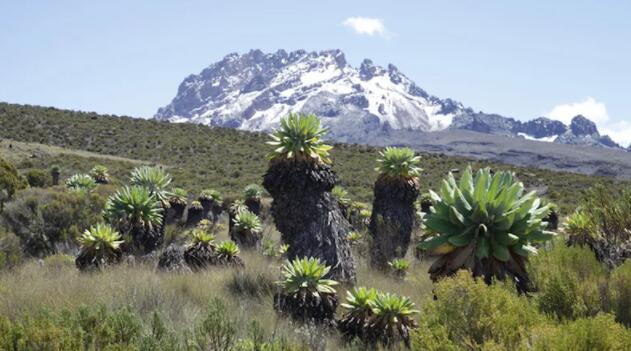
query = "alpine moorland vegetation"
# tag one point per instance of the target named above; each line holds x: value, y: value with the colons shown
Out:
x: 182, y: 288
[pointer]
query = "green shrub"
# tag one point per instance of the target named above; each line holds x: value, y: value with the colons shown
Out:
x: 569, y: 281
x: 620, y: 293
x: 42, y: 218
x: 468, y: 314
x: 10, y: 181
x: 216, y: 331
x: 10, y: 249
x: 600, y: 333
x: 38, y: 178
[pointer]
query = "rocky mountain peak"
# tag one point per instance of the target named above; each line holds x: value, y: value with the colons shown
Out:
x: 581, y: 125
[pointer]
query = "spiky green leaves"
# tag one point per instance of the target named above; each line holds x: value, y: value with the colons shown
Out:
x: 399, y: 265
x: 200, y: 236
x: 196, y: 205
x: 134, y: 206
x: 247, y: 221
x: 392, y: 311
x: 178, y: 196
x: 155, y: 179
x: 487, y: 213
x: 306, y: 275
x: 253, y: 192
x: 238, y: 206
x: 341, y: 195
x: 100, y: 237
x: 227, y: 249
x: 81, y: 182
x: 359, y: 301
x: 300, y: 137
x: 210, y: 194
x: 398, y: 163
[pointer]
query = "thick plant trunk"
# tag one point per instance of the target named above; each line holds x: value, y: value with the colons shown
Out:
x: 175, y: 213
x: 87, y: 261
x: 308, y: 216
x: 172, y: 260
x: 147, y: 239
x: 55, y: 176
x: 207, y: 206
x: 199, y: 256
x: 254, y: 206
x: 307, y: 307
x: 246, y: 239
x: 392, y: 220
x: 195, y: 215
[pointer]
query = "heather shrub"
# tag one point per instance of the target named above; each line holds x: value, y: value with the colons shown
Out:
x: 600, y: 333
x: 620, y: 293
x: 10, y: 249
x: 38, y: 178
x: 468, y: 314
x: 44, y: 218
x: 569, y: 282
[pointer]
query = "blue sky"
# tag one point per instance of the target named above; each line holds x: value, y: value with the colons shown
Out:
x: 518, y: 58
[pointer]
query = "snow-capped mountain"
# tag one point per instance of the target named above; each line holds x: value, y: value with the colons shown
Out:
x: 253, y: 91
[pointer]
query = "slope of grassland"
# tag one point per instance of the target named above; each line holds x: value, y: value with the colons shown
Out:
x: 200, y: 157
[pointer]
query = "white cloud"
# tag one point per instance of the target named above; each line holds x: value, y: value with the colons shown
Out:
x: 367, y: 26
x: 619, y: 131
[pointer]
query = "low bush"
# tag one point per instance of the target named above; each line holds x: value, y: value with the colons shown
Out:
x: 569, y: 281
x: 10, y: 249
x: 38, y: 178
x: 620, y: 293
x: 600, y: 333
x: 469, y: 314
x: 44, y: 218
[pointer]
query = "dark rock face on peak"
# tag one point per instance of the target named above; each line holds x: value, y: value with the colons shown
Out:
x: 582, y: 126
x: 543, y: 127
x: 254, y: 90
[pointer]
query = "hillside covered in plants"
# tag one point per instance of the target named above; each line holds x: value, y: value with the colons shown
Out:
x: 124, y: 234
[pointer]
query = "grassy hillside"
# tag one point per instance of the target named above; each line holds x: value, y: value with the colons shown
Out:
x: 226, y: 159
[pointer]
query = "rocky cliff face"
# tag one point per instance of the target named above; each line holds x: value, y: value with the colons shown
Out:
x: 253, y: 91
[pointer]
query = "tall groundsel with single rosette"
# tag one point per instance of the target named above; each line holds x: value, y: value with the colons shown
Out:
x: 393, y: 216
x: 486, y: 224
x: 300, y: 179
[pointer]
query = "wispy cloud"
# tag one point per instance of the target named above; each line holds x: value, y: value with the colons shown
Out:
x: 618, y: 130
x: 367, y: 26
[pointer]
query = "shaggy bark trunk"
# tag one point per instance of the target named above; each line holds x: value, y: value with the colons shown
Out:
x: 175, y: 213
x: 172, y: 260
x: 553, y: 220
x: 86, y: 261
x: 55, y: 176
x: 195, y: 215
x: 307, y: 307
x: 308, y: 216
x: 147, y: 239
x: 199, y: 256
x: 254, y: 206
x: 207, y: 206
x: 392, y: 220
x: 246, y: 239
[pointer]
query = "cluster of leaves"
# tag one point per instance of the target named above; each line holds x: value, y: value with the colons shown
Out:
x: 396, y: 162
x: 133, y: 207
x: 488, y: 213
x: 306, y: 275
x: 253, y: 192
x: 300, y: 137
x: 247, y: 221
x: 81, y: 182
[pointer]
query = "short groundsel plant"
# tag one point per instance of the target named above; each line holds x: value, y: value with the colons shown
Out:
x: 228, y: 254
x: 253, y: 192
x: 300, y: 137
x: 100, y: 246
x: 200, y: 236
x: 178, y: 197
x: 100, y: 174
x: 356, y: 319
x: 486, y: 224
x: 399, y: 266
x: 248, y: 221
x: 306, y: 294
x: 341, y: 195
x: 211, y: 195
x: 200, y: 252
x: 392, y: 319
x: 282, y: 250
x: 81, y: 182
x: 398, y: 163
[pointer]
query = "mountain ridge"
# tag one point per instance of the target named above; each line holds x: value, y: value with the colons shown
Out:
x: 252, y: 91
